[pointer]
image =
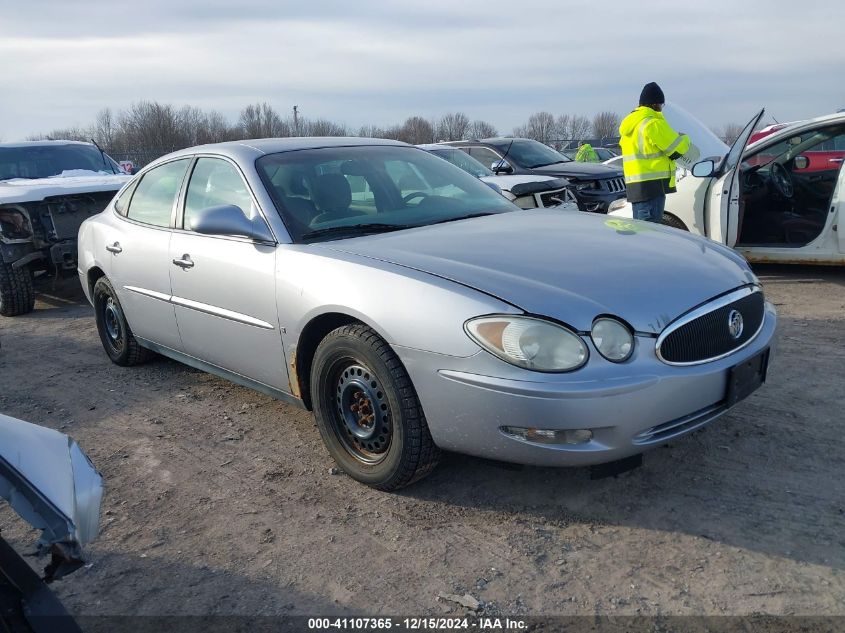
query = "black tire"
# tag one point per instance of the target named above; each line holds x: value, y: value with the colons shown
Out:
x: 354, y: 367
x: 115, y: 333
x: 17, y: 295
x: 675, y: 223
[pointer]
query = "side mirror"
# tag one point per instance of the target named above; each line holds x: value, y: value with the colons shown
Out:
x: 501, y: 167
x: 704, y: 169
x: 229, y: 219
x: 801, y: 162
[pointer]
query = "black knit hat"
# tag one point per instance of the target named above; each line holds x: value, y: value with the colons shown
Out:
x: 651, y: 94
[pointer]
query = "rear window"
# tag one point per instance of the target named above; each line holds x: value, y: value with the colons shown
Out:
x: 152, y: 202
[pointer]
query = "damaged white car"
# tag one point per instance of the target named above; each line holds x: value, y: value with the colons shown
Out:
x: 51, y: 484
x: 47, y: 189
x: 780, y: 199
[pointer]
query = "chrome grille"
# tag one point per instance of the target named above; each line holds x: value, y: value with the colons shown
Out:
x: 614, y: 185
x: 704, y: 334
x: 553, y: 198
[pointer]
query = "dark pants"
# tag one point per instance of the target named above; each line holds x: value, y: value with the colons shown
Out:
x: 650, y: 210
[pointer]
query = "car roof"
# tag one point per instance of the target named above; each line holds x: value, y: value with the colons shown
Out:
x: 43, y: 143
x: 253, y: 148
x: 430, y: 146
x: 798, y: 126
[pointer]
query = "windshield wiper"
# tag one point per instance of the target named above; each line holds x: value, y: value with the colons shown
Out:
x: 557, y: 162
x: 20, y: 178
x: 354, y: 229
x: 463, y: 217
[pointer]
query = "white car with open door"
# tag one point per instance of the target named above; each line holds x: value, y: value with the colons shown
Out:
x: 780, y: 199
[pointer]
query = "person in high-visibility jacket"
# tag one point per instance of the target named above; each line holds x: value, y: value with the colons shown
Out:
x: 649, y: 149
x: 586, y: 154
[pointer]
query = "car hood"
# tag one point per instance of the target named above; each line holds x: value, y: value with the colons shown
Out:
x: 25, y: 190
x: 568, y: 266
x: 52, y: 485
x: 579, y: 171
x: 520, y: 185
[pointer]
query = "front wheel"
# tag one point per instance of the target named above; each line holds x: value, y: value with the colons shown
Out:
x: 115, y: 333
x: 671, y: 220
x: 17, y: 295
x: 368, y: 412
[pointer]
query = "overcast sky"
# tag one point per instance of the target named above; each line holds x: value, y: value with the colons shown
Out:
x: 379, y: 61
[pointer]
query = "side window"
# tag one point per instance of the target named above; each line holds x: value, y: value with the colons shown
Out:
x: 484, y: 156
x: 155, y: 194
x: 122, y: 203
x: 214, y: 183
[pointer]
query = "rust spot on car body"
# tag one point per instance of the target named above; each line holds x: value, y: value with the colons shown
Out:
x: 294, y: 375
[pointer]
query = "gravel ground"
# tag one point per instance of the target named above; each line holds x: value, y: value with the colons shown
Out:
x: 220, y: 500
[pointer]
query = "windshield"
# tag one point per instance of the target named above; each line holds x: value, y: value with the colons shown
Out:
x: 44, y: 161
x: 321, y: 192
x: 531, y: 154
x: 463, y: 160
x: 708, y: 144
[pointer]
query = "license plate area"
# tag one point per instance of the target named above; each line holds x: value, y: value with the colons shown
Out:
x: 745, y: 378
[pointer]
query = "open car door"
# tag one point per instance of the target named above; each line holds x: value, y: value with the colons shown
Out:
x: 722, y: 210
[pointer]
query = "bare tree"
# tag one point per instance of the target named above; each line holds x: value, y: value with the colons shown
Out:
x: 541, y: 126
x: 321, y: 127
x: 260, y: 120
x: 562, y: 128
x: 417, y: 130
x: 105, y: 129
x: 481, y: 129
x: 453, y: 127
x: 579, y: 127
x: 606, y: 124
x: 730, y: 132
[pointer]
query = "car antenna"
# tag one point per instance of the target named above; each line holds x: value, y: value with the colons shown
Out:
x: 103, y: 154
x: 502, y: 159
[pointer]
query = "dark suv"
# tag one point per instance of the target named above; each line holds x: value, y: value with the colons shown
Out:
x: 597, y: 187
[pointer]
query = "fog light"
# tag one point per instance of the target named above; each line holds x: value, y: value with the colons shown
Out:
x: 617, y: 204
x: 548, y: 436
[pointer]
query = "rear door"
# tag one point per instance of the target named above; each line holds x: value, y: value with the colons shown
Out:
x: 139, y: 252
x: 224, y: 287
x: 722, y: 217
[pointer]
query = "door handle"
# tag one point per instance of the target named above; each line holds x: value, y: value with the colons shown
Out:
x: 835, y: 160
x: 185, y: 262
x: 114, y: 248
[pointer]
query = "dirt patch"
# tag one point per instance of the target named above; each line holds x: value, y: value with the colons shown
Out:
x: 221, y: 500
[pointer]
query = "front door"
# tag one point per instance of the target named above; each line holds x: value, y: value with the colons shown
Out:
x: 224, y: 288
x: 140, y: 255
x: 723, y: 207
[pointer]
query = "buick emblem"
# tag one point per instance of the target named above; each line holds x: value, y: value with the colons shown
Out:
x: 735, y: 324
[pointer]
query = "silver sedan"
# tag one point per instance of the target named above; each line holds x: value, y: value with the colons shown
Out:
x: 413, y: 309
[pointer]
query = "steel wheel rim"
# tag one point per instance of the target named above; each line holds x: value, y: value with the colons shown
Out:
x: 111, y: 322
x: 360, y: 414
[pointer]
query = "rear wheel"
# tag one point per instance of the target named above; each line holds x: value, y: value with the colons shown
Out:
x: 368, y: 412
x: 115, y: 333
x: 17, y: 295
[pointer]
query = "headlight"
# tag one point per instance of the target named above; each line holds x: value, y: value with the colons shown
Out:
x: 587, y: 185
x: 612, y: 339
x: 525, y: 202
x: 529, y: 342
x: 14, y: 225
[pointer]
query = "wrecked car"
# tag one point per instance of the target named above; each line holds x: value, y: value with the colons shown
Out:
x: 47, y: 479
x: 780, y: 199
x: 410, y: 321
x: 47, y: 189
x: 597, y: 188
x: 525, y: 191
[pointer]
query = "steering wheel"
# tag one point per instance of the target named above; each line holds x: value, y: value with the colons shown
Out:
x: 414, y: 194
x: 782, y: 180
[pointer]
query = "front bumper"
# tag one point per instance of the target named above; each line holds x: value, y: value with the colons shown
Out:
x: 629, y: 407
